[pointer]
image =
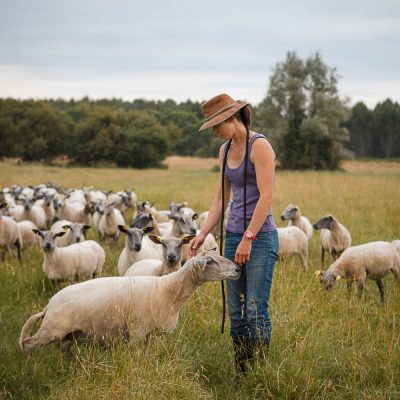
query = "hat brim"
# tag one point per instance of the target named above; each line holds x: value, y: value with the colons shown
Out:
x: 222, y: 117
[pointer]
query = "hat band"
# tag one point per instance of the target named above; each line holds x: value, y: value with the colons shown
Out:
x: 220, y: 111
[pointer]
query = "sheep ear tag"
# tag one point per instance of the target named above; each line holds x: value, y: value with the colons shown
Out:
x: 338, y: 277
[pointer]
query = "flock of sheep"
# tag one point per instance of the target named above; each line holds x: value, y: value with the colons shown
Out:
x: 152, y: 286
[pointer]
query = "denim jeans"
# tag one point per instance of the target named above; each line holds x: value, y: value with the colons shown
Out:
x: 248, y: 296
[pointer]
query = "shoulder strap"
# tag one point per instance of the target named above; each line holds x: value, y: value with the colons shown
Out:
x: 221, y: 233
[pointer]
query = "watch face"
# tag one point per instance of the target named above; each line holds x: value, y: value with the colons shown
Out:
x: 249, y: 235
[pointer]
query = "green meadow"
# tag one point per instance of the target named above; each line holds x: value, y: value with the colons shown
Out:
x: 325, y: 345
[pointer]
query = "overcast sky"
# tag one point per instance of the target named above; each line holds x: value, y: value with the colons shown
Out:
x: 184, y: 49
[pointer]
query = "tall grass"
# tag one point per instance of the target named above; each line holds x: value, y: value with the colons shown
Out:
x: 324, y: 345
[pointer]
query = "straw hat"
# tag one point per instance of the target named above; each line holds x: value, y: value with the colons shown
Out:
x: 218, y: 109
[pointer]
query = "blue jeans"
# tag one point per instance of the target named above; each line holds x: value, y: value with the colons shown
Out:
x: 248, y: 296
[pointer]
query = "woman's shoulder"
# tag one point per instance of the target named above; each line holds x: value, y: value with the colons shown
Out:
x: 261, y: 147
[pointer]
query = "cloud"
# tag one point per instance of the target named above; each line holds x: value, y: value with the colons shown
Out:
x: 63, y: 49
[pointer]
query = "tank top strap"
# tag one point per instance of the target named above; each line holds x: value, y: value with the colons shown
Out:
x: 254, y: 137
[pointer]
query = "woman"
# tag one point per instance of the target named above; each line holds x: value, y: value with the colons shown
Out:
x: 252, y: 243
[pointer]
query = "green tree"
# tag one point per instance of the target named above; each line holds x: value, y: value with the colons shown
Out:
x: 303, y: 115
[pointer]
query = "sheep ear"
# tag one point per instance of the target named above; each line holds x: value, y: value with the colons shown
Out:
x: 122, y: 228
x: 86, y: 227
x: 59, y: 234
x: 156, y: 239
x: 187, y: 238
x: 38, y: 232
x: 195, y: 216
x: 200, y: 264
x: 338, y: 277
x: 147, y: 229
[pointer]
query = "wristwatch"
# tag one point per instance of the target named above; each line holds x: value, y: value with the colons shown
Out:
x: 250, y: 235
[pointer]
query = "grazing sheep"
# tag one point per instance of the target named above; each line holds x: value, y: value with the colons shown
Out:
x: 109, y: 221
x: 396, y: 243
x: 183, y: 225
x: 47, y: 204
x: 171, y: 262
x: 129, y: 308
x: 137, y: 247
x: 6, y: 197
x: 293, y: 214
x: 77, y: 212
x: 29, y: 212
x: 334, y: 237
x: 293, y: 241
x: 80, y: 260
x: 75, y: 232
x: 28, y: 238
x: 9, y: 235
x: 186, y: 225
x: 370, y: 260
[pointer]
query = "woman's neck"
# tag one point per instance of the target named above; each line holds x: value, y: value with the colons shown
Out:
x: 239, y: 137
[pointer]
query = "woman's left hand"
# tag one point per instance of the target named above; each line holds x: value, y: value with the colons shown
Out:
x: 243, y: 251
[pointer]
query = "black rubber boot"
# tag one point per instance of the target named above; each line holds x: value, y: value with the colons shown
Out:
x: 243, y: 348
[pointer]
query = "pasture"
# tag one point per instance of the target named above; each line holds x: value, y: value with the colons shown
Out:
x: 325, y: 345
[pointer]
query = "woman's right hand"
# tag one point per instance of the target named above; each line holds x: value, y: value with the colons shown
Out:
x: 196, y: 243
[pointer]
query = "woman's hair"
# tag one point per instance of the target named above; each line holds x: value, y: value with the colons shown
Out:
x: 244, y: 115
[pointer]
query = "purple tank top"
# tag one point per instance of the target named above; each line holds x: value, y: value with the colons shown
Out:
x: 235, y: 177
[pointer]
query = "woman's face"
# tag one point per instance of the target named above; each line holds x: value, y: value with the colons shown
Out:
x: 226, y: 129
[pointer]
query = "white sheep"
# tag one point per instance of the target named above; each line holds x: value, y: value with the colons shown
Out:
x: 334, y: 237
x: 109, y: 221
x: 75, y: 232
x: 293, y: 241
x: 80, y: 260
x: 48, y: 207
x: 28, y: 211
x: 396, y: 243
x: 137, y: 247
x: 171, y: 262
x: 28, y: 238
x: 370, y: 260
x: 129, y: 308
x: 9, y: 235
x: 293, y: 214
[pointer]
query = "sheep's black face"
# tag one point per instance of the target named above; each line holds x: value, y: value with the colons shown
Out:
x: 172, y: 250
x: 48, y: 239
x: 324, y: 222
x: 327, y: 280
x: 27, y: 204
x: 134, y: 237
x: 141, y: 221
x: 185, y: 224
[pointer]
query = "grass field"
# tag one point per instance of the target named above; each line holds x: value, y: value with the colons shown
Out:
x: 325, y: 345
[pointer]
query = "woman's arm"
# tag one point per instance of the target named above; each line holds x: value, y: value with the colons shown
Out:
x: 214, y: 213
x: 263, y: 157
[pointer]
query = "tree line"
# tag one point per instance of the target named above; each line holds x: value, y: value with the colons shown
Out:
x: 308, y: 123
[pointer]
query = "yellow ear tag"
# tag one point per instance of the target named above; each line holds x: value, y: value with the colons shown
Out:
x: 338, y: 277
x: 317, y: 273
